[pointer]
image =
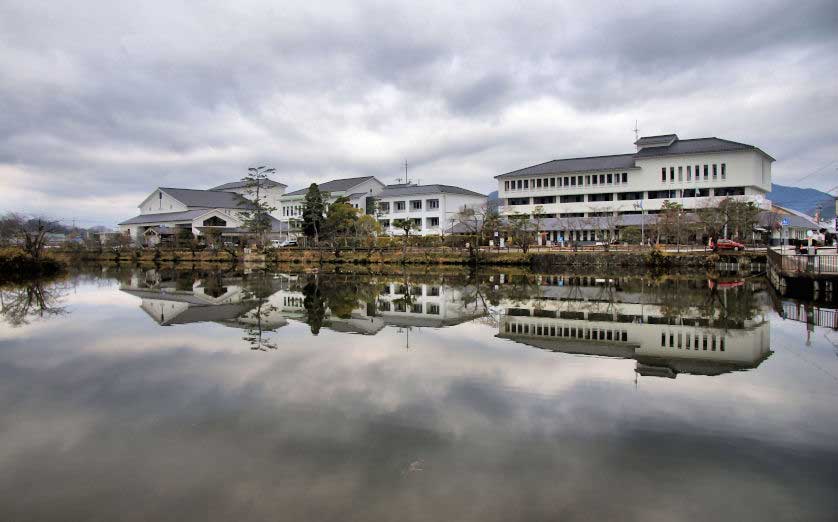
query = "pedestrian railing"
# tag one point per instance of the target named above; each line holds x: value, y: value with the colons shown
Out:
x: 803, y: 264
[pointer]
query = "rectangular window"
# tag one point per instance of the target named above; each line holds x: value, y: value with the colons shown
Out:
x: 602, y: 179
x: 506, y: 185
x: 400, y: 206
x: 433, y: 222
x: 433, y: 309
x: 680, y: 173
x: 625, y: 177
x: 573, y: 181
x: 610, y: 179
x: 520, y: 184
x: 671, y: 174
x: 384, y: 207
x: 588, y: 180
x: 552, y: 182
x: 538, y: 183
x: 526, y: 183
x: 715, y: 172
x: 566, y: 182
x: 689, y: 172
x: 663, y: 174
x: 579, y: 180
x: 417, y: 222
x: 724, y: 171
x: 433, y: 204
x: 706, y: 172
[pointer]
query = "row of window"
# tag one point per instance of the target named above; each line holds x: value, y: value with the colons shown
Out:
x: 694, y: 174
x: 295, y: 210
x: 629, y: 196
x: 614, y: 178
x: 693, y: 342
x: 415, y: 308
x: 431, y: 222
x: 431, y: 291
x: 572, y: 332
x: 401, y: 206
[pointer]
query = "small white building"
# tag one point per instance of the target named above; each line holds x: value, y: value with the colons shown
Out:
x: 432, y: 208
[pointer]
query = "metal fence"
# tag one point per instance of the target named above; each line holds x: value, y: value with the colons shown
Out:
x: 803, y: 264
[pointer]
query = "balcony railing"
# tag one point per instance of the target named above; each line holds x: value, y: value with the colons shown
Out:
x: 803, y: 264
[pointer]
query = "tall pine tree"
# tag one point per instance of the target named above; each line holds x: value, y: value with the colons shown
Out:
x: 314, y: 211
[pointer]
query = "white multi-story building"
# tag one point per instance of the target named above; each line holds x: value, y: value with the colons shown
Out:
x: 359, y: 191
x: 692, y: 172
x: 431, y: 208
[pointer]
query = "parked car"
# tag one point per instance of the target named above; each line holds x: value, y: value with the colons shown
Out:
x: 286, y: 243
x: 729, y: 244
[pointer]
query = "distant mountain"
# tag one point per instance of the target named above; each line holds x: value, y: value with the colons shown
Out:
x: 493, y: 195
x: 804, y: 200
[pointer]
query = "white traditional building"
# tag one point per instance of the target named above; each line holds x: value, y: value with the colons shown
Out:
x: 167, y: 210
x: 431, y: 208
x: 692, y: 172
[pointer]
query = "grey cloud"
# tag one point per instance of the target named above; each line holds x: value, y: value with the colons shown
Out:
x: 109, y: 102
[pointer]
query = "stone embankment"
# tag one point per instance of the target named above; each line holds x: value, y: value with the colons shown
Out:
x: 651, y: 259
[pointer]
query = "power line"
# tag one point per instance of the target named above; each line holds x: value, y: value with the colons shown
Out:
x: 815, y: 171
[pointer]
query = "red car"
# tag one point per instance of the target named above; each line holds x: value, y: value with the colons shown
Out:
x: 729, y: 244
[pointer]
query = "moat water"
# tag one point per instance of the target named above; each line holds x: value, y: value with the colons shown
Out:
x: 154, y: 394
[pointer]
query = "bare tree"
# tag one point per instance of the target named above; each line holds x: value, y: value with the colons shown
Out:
x: 29, y: 232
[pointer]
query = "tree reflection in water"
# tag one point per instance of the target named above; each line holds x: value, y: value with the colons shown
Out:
x: 258, y: 289
x: 19, y: 304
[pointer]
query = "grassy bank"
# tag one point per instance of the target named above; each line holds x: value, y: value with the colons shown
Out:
x: 419, y: 256
x: 16, y: 265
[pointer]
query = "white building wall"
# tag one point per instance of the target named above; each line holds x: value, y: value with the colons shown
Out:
x: 159, y: 202
x: 449, y: 206
x: 748, y: 169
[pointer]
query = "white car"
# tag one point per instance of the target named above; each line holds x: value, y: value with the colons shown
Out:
x: 286, y: 243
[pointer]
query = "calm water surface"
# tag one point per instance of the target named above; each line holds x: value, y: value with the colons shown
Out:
x: 163, y: 395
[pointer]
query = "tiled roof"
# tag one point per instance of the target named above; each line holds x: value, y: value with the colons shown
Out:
x: 593, y: 163
x: 335, y: 185
x: 696, y: 146
x: 627, y: 161
x: 165, y: 217
x: 207, y: 198
x: 418, y: 190
x: 242, y: 184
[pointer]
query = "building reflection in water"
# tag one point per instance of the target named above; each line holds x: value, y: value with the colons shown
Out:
x: 693, y: 327
x: 668, y: 326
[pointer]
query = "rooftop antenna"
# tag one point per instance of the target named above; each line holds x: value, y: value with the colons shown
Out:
x: 636, y: 134
x: 406, y: 177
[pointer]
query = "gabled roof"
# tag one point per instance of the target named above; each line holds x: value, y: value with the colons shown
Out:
x: 335, y: 185
x: 207, y: 198
x: 697, y: 146
x: 654, y: 146
x: 418, y: 190
x: 242, y: 184
x: 593, y: 163
x: 165, y: 217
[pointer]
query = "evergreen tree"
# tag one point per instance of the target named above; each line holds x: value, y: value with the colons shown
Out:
x: 314, y: 210
x: 257, y: 213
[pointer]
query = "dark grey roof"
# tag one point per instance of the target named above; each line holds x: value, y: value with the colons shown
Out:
x: 335, y: 185
x: 627, y: 161
x: 768, y: 219
x: 416, y: 190
x: 656, y: 141
x: 165, y: 217
x: 593, y: 163
x: 207, y: 198
x: 241, y: 184
x: 697, y: 146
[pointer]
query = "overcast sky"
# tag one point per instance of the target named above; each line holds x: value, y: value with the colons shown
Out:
x: 100, y: 103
